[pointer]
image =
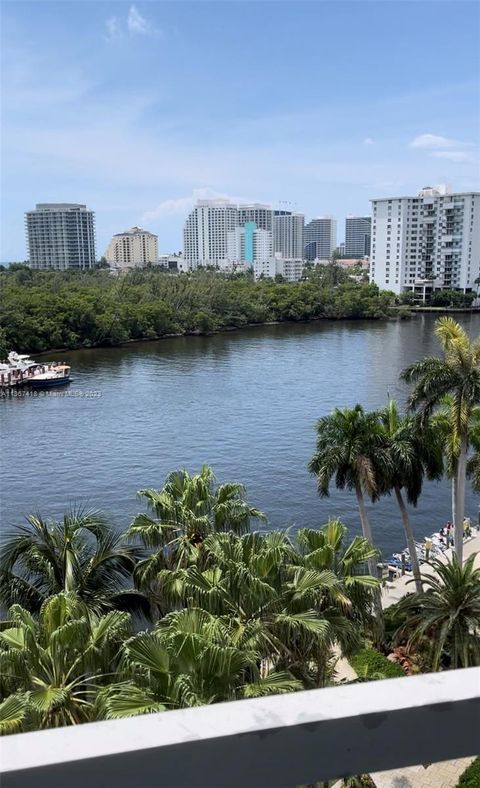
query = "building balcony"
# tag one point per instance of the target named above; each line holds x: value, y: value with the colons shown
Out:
x: 284, y: 740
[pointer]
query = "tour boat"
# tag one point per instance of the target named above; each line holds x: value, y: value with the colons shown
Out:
x: 56, y: 376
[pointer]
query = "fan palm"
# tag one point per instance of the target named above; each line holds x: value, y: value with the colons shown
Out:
x: 457, y: 374
x: 51, y: 667
x: 351, y: 448
x: 291, y: 607
x: 445, y: 617
x: 415, y: 450
x: 190, y: 659
x: 186, y: 510
x: 81, y: 554
x: 326, y: 548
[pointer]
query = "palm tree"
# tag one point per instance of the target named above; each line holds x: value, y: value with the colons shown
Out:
x: 415, y: 450
x: 445, y: 618
x: 457, y: 374
x: 473, y: 464
x: 351, y: 447
x: 190, y: 659
x: 51, y: 668
x: 81, y: 554
x: 186, y: 510
x: 292, y: 607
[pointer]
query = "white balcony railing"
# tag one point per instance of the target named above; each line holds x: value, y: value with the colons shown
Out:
x: 286, y: 740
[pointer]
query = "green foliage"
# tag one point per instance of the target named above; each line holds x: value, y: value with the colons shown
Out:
x: 451, y: 298
x: 237, y: 614
x: 471, y: 776
x: 370, y: 665
x: 80, y: 554
x: 52, y: 309
x: 444, y: 620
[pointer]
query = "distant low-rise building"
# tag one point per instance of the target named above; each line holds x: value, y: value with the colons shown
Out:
x: 290, y: 268
x: 173, y: 262
x: 133, y: 248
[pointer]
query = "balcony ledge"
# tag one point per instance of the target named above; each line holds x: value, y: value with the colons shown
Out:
x: 284, y: 740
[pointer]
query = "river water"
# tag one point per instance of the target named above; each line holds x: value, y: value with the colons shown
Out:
x: 245, y: 402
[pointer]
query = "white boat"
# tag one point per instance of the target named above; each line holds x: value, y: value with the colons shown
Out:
x: 57, y: 376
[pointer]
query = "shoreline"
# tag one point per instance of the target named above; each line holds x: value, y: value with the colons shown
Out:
x: 224, y: 330
x: 413, y: 311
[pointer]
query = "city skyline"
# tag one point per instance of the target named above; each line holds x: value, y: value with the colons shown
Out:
x: 158, y: 104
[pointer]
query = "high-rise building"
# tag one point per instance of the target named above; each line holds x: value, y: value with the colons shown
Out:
x: 249, y: 244
x: 205, y: 232
x: 358, y: 231
x: 427, y: 242
x: 320, y: 238
x: 135, y: 247
x: 262, y: 215
x: 288, y: 229
x: 61, y: 235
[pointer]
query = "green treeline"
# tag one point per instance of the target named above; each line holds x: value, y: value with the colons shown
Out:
x: 42, y: 310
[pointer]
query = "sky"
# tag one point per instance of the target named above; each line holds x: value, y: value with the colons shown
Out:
x: 139, y: 109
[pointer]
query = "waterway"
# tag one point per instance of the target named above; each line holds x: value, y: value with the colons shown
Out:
x: 245, y: 402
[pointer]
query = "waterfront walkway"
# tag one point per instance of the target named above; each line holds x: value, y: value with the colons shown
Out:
x: 437, y: 775
x: 393, y: 591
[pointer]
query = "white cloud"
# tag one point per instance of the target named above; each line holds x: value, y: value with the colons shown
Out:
x: 114, y: 29
x: 432, y: 141
x: 368, y: 141
x: 452, y: 155
x: 139, y: 25
x: 134, y: 25
x: 182, y: 205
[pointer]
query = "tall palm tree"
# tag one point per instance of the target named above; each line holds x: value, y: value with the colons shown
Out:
x: 445, y: 618
x: 51, y: 667
x: 415, y: 449
x: 80, y: 554
x: 457, y: 374
x: 351, y: 447
x: 185, y: 511
x: 473, y: 464
x: 442, y: 421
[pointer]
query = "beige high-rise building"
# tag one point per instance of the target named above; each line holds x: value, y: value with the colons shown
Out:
x: 133, y: 248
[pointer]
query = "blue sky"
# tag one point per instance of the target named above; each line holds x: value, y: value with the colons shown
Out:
x: 137, y: 109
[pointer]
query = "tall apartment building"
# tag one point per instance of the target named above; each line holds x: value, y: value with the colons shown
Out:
x: 431, y: 241
x: 262, y: 215
x: 320, y: 238
x: 206, y: 230
x: 358, y: 230
x: 135, y: 247
x: 249, y: 244
x: 288, y: 234
x: 60, y: 235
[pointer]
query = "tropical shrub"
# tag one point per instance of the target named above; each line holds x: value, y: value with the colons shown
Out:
x: 471, y: 776
x: 444, y: 620
x: 370, y: 664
